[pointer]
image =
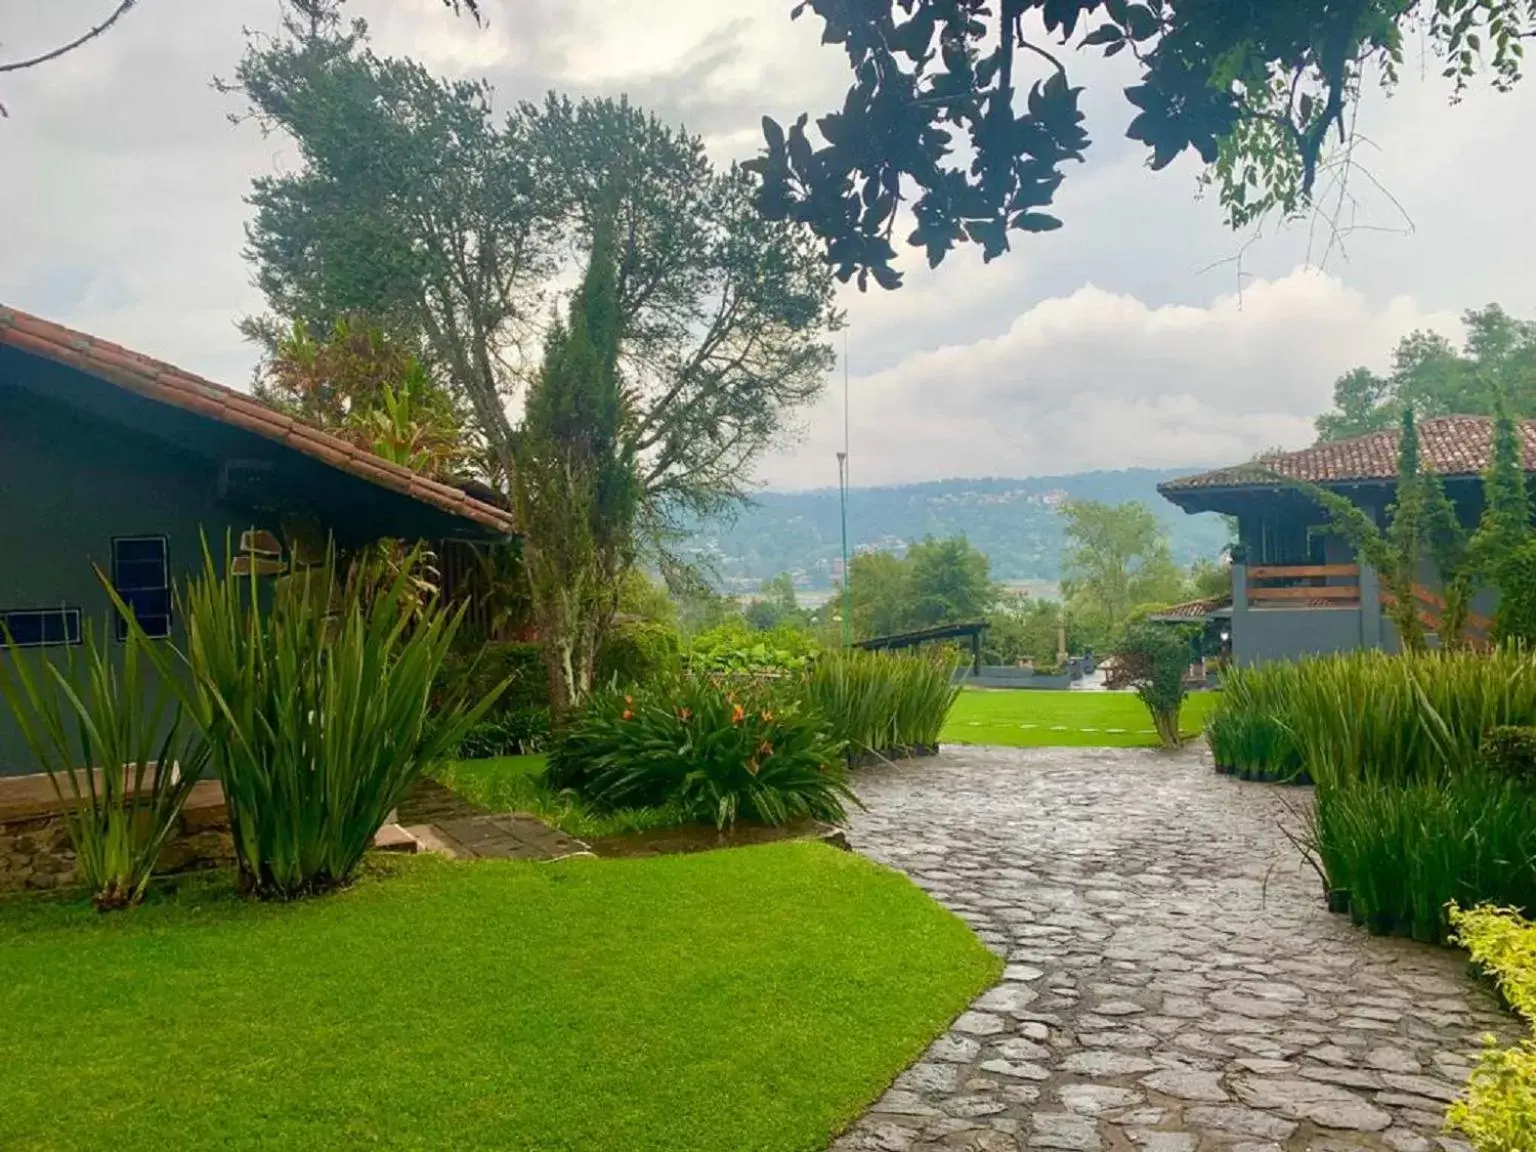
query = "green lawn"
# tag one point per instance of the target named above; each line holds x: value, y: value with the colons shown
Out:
x: 1026, y: 718
x: 748, y: 999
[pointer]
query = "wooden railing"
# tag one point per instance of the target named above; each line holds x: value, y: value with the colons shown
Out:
x: 1477, y: 632
x: 1304, y: 586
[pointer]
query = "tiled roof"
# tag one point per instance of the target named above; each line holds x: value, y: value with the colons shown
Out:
x: 1193, y: 609
x: 166, y: 384
x: 1453, y: 446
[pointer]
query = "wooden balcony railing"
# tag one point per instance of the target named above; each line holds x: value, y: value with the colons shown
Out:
x: 1304, y: 586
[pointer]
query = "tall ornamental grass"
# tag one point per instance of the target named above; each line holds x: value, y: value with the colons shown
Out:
x: 882, y: 702
x: 315, y: 699
x: 1373, y: 717
x: 119, y: 753
x: 1403, y: 852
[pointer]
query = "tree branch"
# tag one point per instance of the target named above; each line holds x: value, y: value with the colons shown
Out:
x: 117, y: 14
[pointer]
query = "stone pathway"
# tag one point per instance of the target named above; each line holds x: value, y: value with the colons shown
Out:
x: 1173, y: 983
x: 442, y: 821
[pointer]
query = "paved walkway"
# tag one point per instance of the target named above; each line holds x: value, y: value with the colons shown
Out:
x: 1173, y: 980
x: 440, y: 820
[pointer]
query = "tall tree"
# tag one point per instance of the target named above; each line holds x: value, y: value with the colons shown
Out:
x: 1260, y: 91
x: 576, y: 487
x: 417, y: 205
x: 947, y: 580
x: 1497, y: 360
x: 1116, y: 560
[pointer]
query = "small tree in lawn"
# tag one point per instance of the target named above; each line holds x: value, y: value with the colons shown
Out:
x: 1151, y: 659
x: 575, y: 483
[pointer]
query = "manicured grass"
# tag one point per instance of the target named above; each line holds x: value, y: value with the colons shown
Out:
x: 748, y: 999
x: 515, y: 784
x: 1026, y: 718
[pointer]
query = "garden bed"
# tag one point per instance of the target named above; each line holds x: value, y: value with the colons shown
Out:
x: 584, y: 1004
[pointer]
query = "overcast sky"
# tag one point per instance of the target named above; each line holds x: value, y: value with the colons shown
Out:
x: 1133, y: 336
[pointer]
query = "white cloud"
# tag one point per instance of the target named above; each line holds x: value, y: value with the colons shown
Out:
x: 1100, y: 380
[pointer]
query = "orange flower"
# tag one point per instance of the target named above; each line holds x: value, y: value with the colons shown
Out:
x: 738, y: 714
x: 753, y: 767
x: 628, y: 715
x: 629, y: 700
x: 765, y: 748
x: 684, y: 713
x: 768, y: 714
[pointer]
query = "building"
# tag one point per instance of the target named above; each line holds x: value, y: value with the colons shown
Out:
x: 113, y: 460
x: 1299, y: 589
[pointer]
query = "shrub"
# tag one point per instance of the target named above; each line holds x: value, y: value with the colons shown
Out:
x: 1498, y: 1112
x: 1152, y: 659
x: 717, y: 753
x: 1510, y: 751
x: 734, y: 647
x: 508, y: 734
x: 882, y: 702
x: 317, y: 708
x: 633, y: 653
x: 474, y: 673
x: 124, y: 752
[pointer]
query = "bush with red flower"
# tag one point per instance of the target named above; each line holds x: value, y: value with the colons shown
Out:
x: 721, y: 748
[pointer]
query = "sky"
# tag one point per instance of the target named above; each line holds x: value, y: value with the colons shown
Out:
x: 1144, y: 333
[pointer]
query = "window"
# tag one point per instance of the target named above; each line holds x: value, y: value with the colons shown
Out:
x: 40, y: 627
x: 141, y: 573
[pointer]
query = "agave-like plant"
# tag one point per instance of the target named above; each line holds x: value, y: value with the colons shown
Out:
x: 119, y: 752
x: 316, y: 700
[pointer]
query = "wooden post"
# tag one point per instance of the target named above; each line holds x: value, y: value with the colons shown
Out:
x: 976, y: 652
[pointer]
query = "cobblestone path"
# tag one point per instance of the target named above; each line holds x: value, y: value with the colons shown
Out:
x: 1173, y: 983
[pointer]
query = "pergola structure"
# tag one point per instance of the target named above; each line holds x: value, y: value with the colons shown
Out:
x: 899, y: 640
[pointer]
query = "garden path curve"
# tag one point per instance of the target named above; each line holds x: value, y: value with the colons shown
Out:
x: 1173, y: 983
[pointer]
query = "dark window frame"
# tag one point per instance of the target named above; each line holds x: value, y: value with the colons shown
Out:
x: 73, y: 638
x: 162, y: 620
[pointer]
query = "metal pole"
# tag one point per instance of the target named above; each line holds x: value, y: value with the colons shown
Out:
x: 842, y: 491
x: 842, y: 478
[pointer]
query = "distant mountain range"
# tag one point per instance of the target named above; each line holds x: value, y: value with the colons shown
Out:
x: 1013, y: 521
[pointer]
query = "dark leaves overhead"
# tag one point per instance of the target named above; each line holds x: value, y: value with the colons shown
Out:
x: 959, y: 109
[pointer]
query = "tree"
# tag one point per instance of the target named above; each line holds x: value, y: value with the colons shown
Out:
x: 1117, y: 559
x: 947, y: 581
x: 1498, y: 360
x: 881, y: 594
x: 776, y: 605
x: 576, y: 484
x: 1259, y: 91
x: 416, y: 205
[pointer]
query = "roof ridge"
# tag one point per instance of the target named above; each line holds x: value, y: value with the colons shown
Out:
x: 163, y: 382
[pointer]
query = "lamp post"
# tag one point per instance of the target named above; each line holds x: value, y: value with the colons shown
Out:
x: 842, y: 496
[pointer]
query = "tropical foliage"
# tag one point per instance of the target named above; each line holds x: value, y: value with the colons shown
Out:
x: 121, y: 755
x: 715, y: 749
x: 1498, y: 1112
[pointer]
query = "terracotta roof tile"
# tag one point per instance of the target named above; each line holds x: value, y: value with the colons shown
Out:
x: 167, y: 384
x: 1453, y: 446
x: 1193, y: 609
